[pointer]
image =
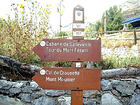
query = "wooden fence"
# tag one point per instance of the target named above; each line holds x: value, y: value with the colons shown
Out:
x: 134, y: 33
x: 113, y: 33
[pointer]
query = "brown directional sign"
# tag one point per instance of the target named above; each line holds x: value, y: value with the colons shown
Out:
x: 68, y: 50
x: 68, y: 79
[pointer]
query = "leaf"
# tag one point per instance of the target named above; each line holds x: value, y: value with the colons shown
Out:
x: 58, y: 9
x: 21, y: 5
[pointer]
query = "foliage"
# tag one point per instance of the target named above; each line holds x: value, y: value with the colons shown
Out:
x: 62, y: 34
x: 114, y: 18
x: 90, y: 29
x: 111, y: 62
x: 19, y: 35
x: 118, y: 43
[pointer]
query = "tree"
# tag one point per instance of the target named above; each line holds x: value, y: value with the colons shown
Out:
x: 89, y: 29
x: 114, y: 18
x: 26, y: 29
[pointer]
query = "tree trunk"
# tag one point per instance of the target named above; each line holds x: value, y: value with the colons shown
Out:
x: 128, y: 72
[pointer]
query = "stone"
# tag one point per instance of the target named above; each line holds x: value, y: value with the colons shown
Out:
x: 44, y: 101
x: 109, y: 99
x: 34, y: 86
x: 89, y: 102
x: 106, y: 85
x: 54, y: 93
x: 26, y: 89
x: 90, y: 93
x: 25, y: 97
x: 135, y: 100
x: 62, y: 100
x: 68, y: 92
x: 125, y: 88
x: 25, y: 83
x: 115, y: 83
x: 125, y: 100
x: 38, y: 94
x: 137, y: 91
x: 4, y: 91
x: 15, y: 90
x: 18, y: 85
x: 138, y: 83
x: 5, y: 100
x: 5, y: 84
x: 116, y: 93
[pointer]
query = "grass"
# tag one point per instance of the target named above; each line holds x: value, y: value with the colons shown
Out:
x: 111, y: 62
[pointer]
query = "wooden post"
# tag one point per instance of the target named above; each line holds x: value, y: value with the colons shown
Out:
x: 77, y: 95
x: 78, y: 30
x: 135, y: 37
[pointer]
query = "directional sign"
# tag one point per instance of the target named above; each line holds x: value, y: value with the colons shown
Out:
x: 68, y: 79
x: 68, y: 50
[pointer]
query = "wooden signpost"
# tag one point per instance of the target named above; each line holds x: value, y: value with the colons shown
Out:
x: 77, y: 78
x: 68, y: 78
x: 68, y: 50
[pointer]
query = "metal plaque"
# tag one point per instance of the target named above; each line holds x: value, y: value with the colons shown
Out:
x: 78, y: 33
x: 68, y: 50
x: 68, y: 79
x: 79, y: 25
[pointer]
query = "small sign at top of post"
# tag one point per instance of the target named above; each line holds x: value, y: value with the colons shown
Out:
x: 78, y: 21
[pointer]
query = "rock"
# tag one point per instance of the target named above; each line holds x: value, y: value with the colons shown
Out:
x: 27, y: 89
x: 137, y: 91
x: 64, y: 100
x: 90, y: 93
x: 125, y: 100
x: 138, y: 83
x: 54, y: 93
x: 135, y: 100
x: 15, y: 90
x: 89, y: 102
x: 24, y: 83
x: 44, y: 101
x: 5, y: 84
x: 38, y: 94
x: 25, y: 97
x: 4, y: 91
x: 5, y: 100
x: 115, y: 83
x: 126, y: 88
x: 34, y: 86
x: 68, y: 92
x: 116, y: 93
x: 17, y: 84
x: 106, y: 85
x: 109, y: 99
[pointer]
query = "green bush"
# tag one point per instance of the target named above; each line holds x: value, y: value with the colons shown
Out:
x: 111, y: 62
x: 62, y: 34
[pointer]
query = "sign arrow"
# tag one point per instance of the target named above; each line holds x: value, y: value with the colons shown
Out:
x: 68, y: 79
x: 68, y: 50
